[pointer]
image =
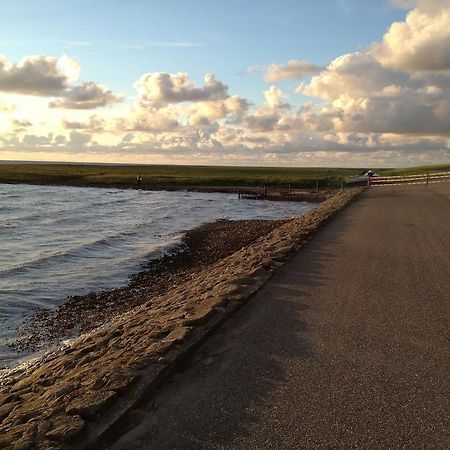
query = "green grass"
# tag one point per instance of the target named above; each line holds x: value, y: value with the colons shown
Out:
x: 415, y: 170
x: 168, y: 176
x: 160, y: 176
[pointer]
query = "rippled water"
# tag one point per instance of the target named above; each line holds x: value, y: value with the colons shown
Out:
x: 60, y: 241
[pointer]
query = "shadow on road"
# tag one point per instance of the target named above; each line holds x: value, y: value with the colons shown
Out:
x: 211, y: 403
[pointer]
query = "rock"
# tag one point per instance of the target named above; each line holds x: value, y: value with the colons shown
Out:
x: 65, y: 428
x: 29, y: 410
x: 6, y: 409
x: 215, y: 302
x: 8, y: 398
x: 90, y: 403
x: 200, y: 316
x: 43, y: 427
x: 20, y: 437
x: 231, y: 291
x: 61, y: 389
x: 177, y: 335
x: 119, y: 381
x: 24, y: 383
x: 24, y: 444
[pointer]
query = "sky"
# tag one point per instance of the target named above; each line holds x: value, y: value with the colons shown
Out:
x: 257, y: 82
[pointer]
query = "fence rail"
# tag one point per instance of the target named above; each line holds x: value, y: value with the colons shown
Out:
x: 397, y: 180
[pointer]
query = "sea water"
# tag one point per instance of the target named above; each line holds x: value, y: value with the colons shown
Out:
x: 60, y: 241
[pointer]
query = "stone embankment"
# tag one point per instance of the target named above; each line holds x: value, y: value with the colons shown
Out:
x: 73, y: 397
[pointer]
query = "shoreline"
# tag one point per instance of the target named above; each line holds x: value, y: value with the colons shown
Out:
x: 198, y: 248
x: 72, y: 397
x: 275, y: 193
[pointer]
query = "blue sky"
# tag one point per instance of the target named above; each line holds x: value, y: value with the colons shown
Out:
x: 116, y: 41
x: 287, y: 82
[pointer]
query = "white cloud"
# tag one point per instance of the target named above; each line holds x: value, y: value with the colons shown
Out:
x: 94, y: 124
x: 148, y: 120
x: 294, y: 70
x: 262, y: 121
x: 88, y: 95
x: 421, y: 42
x: 38, y: 75
x: 393, y: 87
x: 274, y: 98
x: 163, y: 87
x: 233, y: 109
x: 47, y: 76
x: 354, y: 75
x: 387, y: 105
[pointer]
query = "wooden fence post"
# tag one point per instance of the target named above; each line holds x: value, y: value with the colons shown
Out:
x: 428, y: 177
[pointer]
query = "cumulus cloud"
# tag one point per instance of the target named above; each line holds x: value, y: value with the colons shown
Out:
x: 38, y: 75
x: 78, y: 140
x: 88, y: 95
x: 354, y: 75
x: 163, y: 87
x: 149, y: 120
x: 386, y: 105
x: 19, y: 125
x: 262, y: 121
x: 236, y: 108
x: 47, y: 76
x: 421, y: 42
x: 232, y: 109
x: 12, y: 125
x: 393, y: 87
x: 94, y: 124
x: 295, y: 69
x: 274, y: 98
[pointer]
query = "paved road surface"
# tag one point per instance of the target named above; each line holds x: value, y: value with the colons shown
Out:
x: 345, y: 347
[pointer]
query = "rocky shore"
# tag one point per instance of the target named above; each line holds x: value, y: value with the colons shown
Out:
x: 71, y: 398
x: 200, y: 248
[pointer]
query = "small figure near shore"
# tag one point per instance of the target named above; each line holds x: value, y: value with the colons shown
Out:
x: 138, y: 181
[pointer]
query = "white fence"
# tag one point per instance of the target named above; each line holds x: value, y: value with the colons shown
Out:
x: 397, y: 180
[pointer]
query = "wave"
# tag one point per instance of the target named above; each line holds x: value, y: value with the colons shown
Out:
x: 111, y: 202
x: 4, y: 208
x: 5, y: 226
x: 81, y: 250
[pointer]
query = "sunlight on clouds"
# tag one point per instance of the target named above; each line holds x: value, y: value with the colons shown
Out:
x: 274, y: 98
x: 421, y: 42
x: 69, y: 68
x: 386, y: 105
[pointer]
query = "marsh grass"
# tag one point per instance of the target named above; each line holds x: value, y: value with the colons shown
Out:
x: 177, y: 177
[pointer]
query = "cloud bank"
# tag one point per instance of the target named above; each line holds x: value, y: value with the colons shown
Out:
x: 47, y: 76
x: 386, y: 105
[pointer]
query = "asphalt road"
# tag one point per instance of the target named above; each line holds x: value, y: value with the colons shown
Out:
x: 345, y: 347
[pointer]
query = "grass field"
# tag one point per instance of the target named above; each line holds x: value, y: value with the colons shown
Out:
x: 161, y: 176
x: 415, y: 170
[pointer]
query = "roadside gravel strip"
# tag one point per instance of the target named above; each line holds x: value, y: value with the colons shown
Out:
x: 71, y: 398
